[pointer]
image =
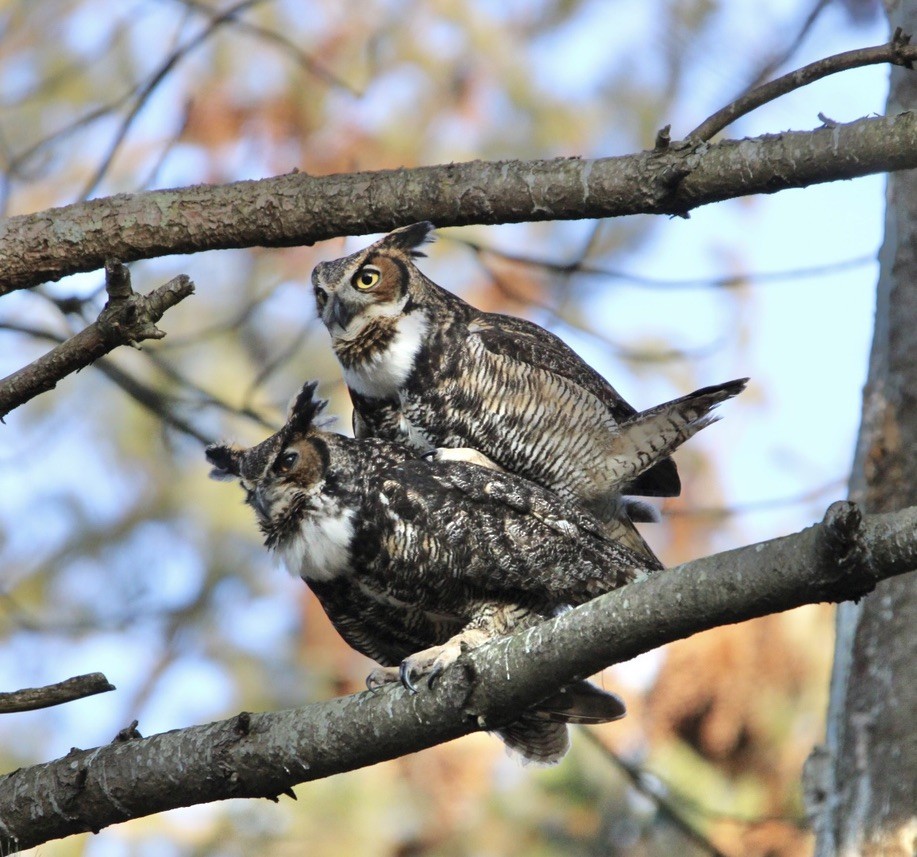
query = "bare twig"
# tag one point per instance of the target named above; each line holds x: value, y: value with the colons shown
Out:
x: 639, y: 781
x: 32, y: 698
x: 126, y: 318
x: 656, y: 788
x: 898, y: 51
x: 752, y: 506
x: 154, y: 401
x: 308, y: 63
x: 728, y: 281
x: 784, y: 56
x: 149, y: 87
x: 624, y: 352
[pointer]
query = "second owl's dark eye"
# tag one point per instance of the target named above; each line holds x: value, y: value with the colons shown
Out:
x: 285, y: 461
x: 321, y: 297
x: 366, y: 278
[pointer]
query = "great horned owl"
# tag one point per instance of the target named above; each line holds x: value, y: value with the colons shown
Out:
x: 415, y: 560
x: 427, y: 369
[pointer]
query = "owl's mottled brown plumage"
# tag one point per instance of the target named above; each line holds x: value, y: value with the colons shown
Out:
x: 427, y: 369
x: 414, y: 559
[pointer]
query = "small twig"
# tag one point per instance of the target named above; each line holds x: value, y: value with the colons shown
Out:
x: 623, y: 352
x: 144, y: 92
x: 764, y: 505
x: 308, y: 63
x: 898, y: 51
x: 724, y: 282
x: 126, y: 318
x: 669, y: 811
x: 155, y: 402
x: 31, y: 698
x: 777, y: 61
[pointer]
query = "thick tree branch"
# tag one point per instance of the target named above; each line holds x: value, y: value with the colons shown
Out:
x: 126, y: 318
x: 898, y: 51
x: 31, y: 698
x: 264, y: 755
x: 301, y: 209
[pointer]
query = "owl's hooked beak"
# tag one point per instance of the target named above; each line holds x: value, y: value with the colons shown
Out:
x: 260, y: 503
x: 340, y: 313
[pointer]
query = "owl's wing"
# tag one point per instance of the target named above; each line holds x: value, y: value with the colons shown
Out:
x: 495, y: 535
x: 518, y: 353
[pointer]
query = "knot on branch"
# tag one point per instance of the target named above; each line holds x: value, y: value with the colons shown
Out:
x: 901, y: 40
x: 129, y: 317
x: 128, y: 733
x: 844, y: 550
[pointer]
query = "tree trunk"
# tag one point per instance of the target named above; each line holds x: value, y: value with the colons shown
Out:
x: 866, y: 798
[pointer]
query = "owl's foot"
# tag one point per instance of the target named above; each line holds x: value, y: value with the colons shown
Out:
x: 433, y: 662
x: 462, y: 453
x: 382, y: 676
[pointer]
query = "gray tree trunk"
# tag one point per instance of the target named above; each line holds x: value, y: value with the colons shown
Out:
x: 866, y: 796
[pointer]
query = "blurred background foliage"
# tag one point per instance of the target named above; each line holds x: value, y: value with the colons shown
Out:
x: 119, y: 555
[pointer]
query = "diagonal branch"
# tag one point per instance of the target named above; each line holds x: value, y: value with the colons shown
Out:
x: 898, y: 51
x: 32, y: 698
x: 127, y: 317
x: 265, y: 755
x: 300, y: 209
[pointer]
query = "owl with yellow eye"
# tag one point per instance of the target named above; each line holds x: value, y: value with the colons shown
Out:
x: 429, y: 370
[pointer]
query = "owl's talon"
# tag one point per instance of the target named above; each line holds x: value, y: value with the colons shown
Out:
x: 435, y: 673
x: 404, y: 674
x: 380, y: 677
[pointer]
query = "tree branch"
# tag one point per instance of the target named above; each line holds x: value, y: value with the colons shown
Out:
x: 32, y: 698
x: 898, y: 51
x: 126, y: 318
x: 301, y: 209
x: 264, y: 755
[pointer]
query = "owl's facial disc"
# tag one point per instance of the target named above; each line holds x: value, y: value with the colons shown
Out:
x: 288, y: 476
x: 371, y: 286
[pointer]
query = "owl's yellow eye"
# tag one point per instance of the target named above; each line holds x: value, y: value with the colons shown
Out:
x: 366, y: 278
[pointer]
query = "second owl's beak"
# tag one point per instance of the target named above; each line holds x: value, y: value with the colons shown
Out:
x: 261, y: 504
x: 340, y: 313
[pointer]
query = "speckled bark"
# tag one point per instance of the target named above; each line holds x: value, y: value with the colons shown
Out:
x: 264, y: 755
x: 868, y: 796
x: 302, y: 209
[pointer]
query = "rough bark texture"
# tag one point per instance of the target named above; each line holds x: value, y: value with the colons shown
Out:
x: 302, y: 209
x: 264, y: 755
x: 867, y: 796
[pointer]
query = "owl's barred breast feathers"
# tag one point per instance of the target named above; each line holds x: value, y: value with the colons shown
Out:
x: 503, y: 386
x: 416, y: 559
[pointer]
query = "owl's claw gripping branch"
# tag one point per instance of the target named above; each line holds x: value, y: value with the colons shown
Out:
x: 404, y: 673
x: 382, y: 676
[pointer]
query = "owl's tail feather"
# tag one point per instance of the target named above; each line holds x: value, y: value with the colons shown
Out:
x: 540, y: 736
x: 582, y: 702
x: 542, y: 742
x: 649, y: 436
x: 640, y: 447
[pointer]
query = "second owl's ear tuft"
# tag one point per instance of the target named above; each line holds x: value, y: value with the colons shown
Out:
x: 225, y: 461
x: 410, y: 237
x: 306, y: 407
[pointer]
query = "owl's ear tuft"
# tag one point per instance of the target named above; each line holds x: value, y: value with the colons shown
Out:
x: 408, y: 238
x: 306, y: 407
x: 225, y: 461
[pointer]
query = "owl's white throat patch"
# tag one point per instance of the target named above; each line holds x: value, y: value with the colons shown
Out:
x: 383, y: 373
x: 320, y: 549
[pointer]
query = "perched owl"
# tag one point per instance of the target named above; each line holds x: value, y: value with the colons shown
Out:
x: 415, y: 560
x: 427, y: 369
